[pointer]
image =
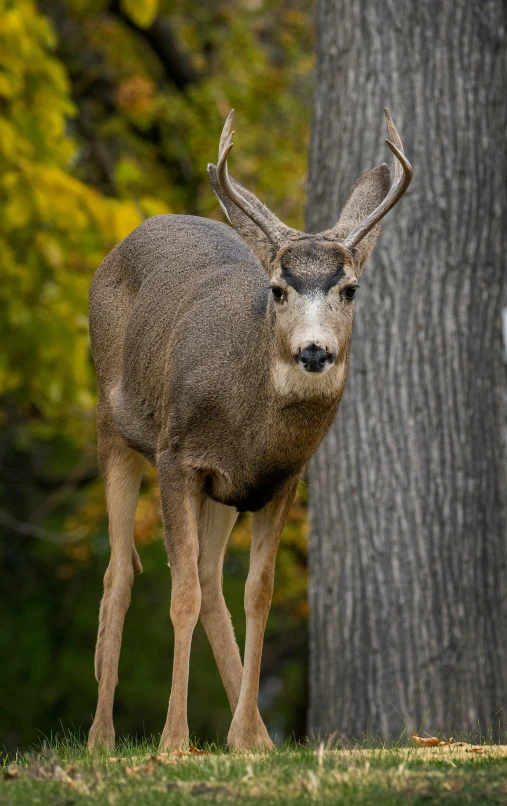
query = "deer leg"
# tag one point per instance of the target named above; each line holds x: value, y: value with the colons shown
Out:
x: 215, y: 525
x: 267, y: 527
x: 121, y: 469
x: 180, y: 501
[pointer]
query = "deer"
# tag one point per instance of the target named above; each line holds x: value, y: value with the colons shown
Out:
x: 221, y: 355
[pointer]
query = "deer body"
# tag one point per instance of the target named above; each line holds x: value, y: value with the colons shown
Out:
x: 199, y: 286
x: 221, y: 358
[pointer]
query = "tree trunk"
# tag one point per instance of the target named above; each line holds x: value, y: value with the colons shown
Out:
x: 408, y: 548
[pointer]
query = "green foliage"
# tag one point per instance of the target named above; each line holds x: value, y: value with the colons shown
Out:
x: 97, y: 132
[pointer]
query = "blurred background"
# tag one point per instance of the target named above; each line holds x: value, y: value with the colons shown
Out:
x: 109, y: 113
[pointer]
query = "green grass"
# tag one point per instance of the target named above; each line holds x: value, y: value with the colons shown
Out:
x: 64, y: 774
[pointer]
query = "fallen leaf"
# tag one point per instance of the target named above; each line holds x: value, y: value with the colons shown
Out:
x: 161, y: 758
x: 430, y: 741
x: 197, y: 752
x: 477, y: 749
x: 142, y: 769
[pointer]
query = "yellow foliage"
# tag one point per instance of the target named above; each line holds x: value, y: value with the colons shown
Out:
x: 54, y: 229
x: 141, y: 12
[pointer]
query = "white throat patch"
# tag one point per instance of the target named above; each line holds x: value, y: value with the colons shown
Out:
x: 290, y: 380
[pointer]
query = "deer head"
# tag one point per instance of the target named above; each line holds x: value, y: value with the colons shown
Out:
x: 313, y: 277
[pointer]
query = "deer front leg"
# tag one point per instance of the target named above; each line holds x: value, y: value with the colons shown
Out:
x: 245, y: 731
x: 180, y: 501
x: 215, y: 524
x: 121, y: 469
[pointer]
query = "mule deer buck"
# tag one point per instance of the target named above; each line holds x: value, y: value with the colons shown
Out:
x: 221, y: 356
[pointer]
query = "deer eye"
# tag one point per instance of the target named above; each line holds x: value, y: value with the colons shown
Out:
x: 350, y: 292
x: 278, y: 293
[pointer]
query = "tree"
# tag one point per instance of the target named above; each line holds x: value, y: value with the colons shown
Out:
x: 408, y: 549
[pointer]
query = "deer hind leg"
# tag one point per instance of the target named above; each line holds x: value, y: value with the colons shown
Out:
x: 266, y: 530
x: 121, y: 469
x: 215, y: 525
x: 180, y: 501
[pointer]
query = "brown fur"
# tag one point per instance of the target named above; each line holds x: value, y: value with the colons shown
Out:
x: 196, y: 372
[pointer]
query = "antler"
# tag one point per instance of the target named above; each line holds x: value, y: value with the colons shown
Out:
x: 402, y: 178
x: 224, y: 150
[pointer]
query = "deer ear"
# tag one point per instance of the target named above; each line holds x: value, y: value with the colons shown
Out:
x: 366, y: 195
x: 257, y: 240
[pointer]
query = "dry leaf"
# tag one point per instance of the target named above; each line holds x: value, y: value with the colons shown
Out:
x: 197, y: 752
x: 192, y: 750
x: 161, y: 758
x: 142, y: 769
x: 477, y: 749
x: 431, y: 741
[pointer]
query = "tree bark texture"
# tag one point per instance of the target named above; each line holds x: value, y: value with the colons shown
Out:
x: 408, y: 547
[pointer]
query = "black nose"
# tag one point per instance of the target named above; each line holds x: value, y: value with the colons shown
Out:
x: 314, y: 358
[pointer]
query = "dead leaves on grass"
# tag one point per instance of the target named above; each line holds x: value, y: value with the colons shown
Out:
x: 160, y: 759
x: 431, y: 741
x: 71, y: 777
x: 164, y: 758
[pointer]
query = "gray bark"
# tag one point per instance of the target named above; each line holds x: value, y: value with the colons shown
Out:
x: 408, y: 547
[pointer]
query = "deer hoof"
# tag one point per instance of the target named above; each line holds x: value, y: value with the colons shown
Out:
x: 245, y: 736
x: 172, y: 740
x: 101, y: 739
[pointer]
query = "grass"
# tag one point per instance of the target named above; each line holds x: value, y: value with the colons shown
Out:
x: 63, y: 774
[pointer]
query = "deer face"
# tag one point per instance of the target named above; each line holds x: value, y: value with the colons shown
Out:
x: 312, y: 291
x: 313, y: 277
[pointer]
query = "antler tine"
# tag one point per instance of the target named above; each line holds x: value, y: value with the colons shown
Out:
x: 224, y: 150
x: 396, y: 140
x: 226, y: 131
x: 402, y: 178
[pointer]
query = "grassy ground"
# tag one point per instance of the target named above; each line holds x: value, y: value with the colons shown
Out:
x: 64, y: 774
